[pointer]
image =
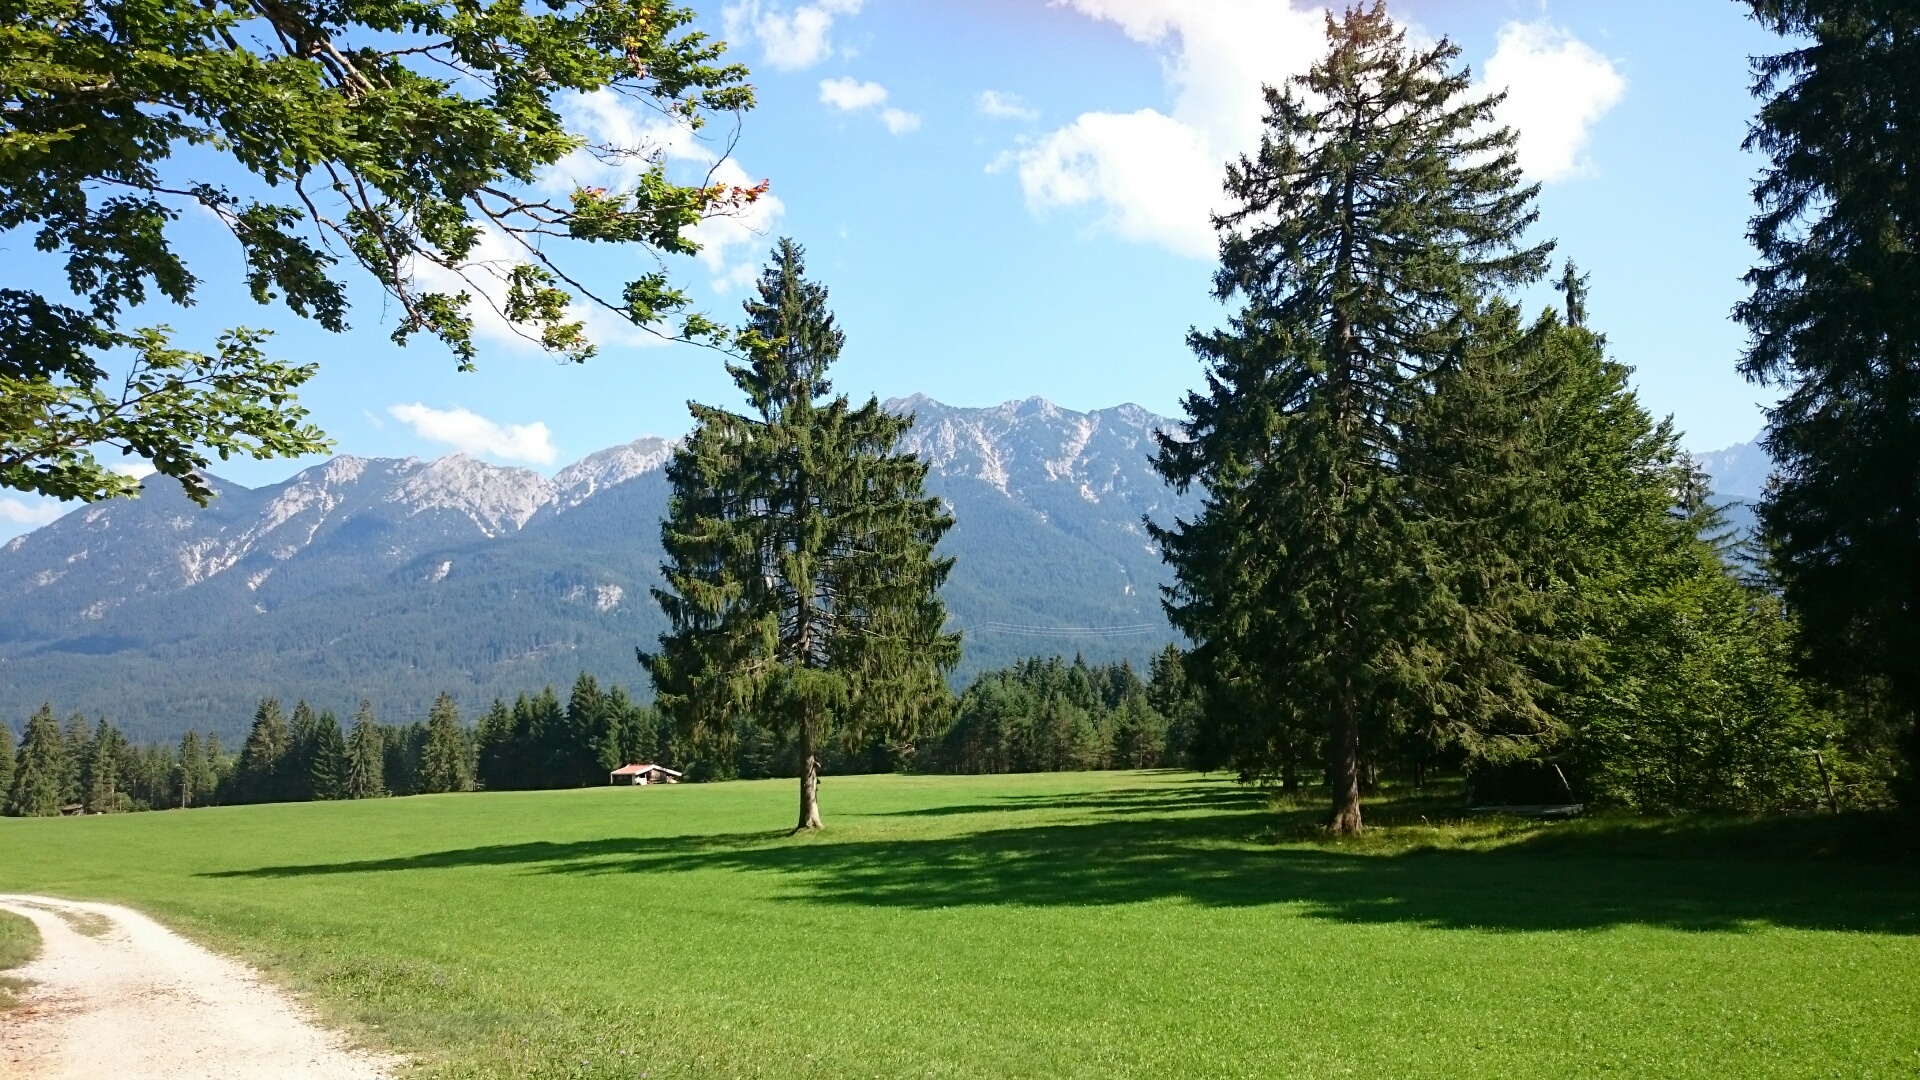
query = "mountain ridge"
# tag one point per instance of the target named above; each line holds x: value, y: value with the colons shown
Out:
x: 393, y: 578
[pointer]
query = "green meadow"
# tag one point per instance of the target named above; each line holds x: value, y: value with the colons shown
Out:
x: 1044, y: 925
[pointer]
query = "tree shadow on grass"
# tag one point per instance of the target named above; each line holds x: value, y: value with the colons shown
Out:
x: 1220, y: 851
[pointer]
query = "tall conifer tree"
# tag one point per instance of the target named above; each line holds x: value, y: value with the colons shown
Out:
x: 192, y: 770
x: 101, y: 780
x: 1835, y: 321
x: 366, y: 757
x: 327, y: 763
x: 296, y: 765
x: 262, y: 757
x: 40, y: 770
x: 77, y: 737
x: 6, y: 762
x: 443, y: 764
x: 802, y: 589
x: 1378, y: 210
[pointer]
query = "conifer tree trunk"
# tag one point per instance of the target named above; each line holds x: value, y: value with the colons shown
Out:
x: 1343, y: 773
x: 809, y: 779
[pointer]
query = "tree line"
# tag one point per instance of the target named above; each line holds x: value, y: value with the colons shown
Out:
x: 307, y: 755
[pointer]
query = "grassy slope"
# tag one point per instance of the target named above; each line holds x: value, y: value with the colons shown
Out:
x: 1054, y: 925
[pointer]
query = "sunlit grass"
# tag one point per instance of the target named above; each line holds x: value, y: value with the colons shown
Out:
x: 19, y: 943
x: 1093, y: 925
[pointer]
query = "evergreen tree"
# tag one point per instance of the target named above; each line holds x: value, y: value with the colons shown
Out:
x: 495, y: 760
x: 101, y: 773
x: 327, y: 764
x: 6, y: 761
x: 443, y: 765
x: 257, y: 777
x: 218, y: 772
x: 1380, y: 207
x: 366, y: 757
x: 590, y: 732
x: 1835, y: 321
x: 802, y: 591
x: 40, y: 771
x: 194, y: 781
x: 77, y: 738
x: 295, y: 782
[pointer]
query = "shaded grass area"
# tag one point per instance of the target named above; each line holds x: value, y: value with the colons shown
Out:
x: 19, y: 944
x: 1135, y: 924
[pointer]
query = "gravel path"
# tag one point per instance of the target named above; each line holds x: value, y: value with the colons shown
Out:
x: 116, y: 994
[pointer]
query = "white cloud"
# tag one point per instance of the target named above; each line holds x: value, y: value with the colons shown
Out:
x: 848, y: 95
x: 1005, y: 106
x: 34, y: 514
x: 623, y: 143
x: 471, y: 433
x: 852, y: 95
x: 1557, y: 88
x: 1155, y: 177
x: 790, y: 41
x: 137, y: 468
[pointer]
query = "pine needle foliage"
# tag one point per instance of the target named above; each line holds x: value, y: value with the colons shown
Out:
x: 6, y: 762
x: 39, y: 775
x: 328, y: 763
x: 366, y: 756
x: 1381, y: 206
x: 444, y: 763
x: 258, y: 775
x: 801, y: 585
x: 1834, y: 316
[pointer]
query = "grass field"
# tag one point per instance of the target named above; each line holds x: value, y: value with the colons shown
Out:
x: 1053, y: 925
x: 19, y: 943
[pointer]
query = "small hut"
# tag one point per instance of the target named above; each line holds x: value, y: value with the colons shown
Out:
x: 642, y: 775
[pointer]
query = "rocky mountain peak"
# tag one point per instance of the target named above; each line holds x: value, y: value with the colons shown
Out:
x: 603, y: 469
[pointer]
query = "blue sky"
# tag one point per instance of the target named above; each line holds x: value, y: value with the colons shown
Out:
x: 1008, y: 198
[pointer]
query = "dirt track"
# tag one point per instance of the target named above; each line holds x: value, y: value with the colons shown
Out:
x: 131, y: 1000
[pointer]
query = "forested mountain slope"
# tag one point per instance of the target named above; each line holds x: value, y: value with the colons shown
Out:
x: 395, y: 579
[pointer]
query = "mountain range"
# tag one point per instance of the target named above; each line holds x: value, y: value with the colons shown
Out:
x: 395, y: 579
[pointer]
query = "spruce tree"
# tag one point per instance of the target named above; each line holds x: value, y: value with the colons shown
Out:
x: 366, y: 757
x: 295, y: 782
x: 493, y: 738
x: 6, y: 761
x: 101, y: 774
x: 258, y: 773
x: 327, y: 763
x: 77, y: 737
x: 1834, y: 317
x: 192, y: 770
x: 443, y: 765
x: 219, y: 771
x: 801, y: 585
x: 1380, y: 207
x: 40, y: 771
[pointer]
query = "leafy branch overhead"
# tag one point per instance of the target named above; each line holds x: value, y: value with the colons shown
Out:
x: 398, y: 136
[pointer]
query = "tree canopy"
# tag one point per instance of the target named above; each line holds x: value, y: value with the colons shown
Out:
x: 396, y: 137
x: 1834, y: 318
x: 1379, y: 209
x: 801, y: 585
